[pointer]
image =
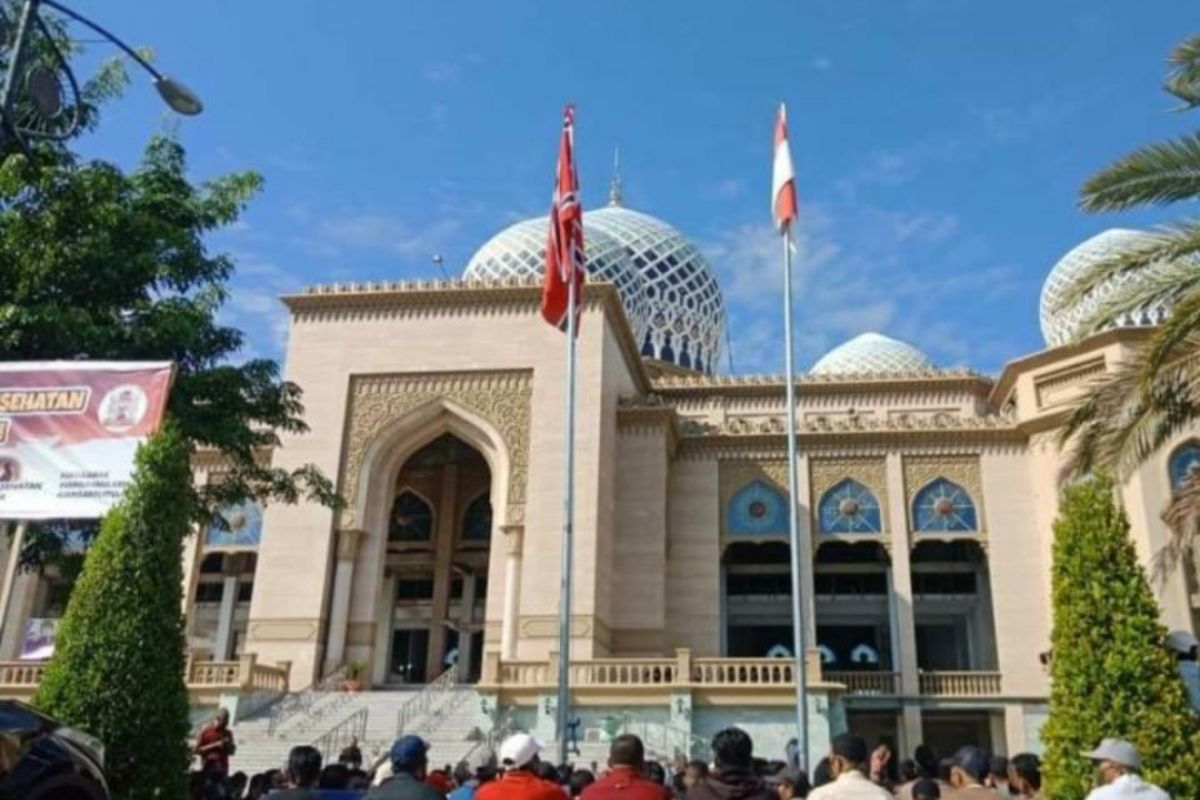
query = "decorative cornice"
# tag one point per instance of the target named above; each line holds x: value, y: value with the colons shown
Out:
x: 655, y: 418
x: 342, y: 301
x: 933, y: 422
x: 679, y: 386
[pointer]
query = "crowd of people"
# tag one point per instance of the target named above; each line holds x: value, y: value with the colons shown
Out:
x: 851, y: 771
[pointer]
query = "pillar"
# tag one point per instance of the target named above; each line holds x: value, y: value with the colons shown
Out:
x: 383, y: 630
x: 514, y: 536
x: 223, y: 648
x: 15, y: 538
x: 466, y: 627
x: 900, y: 600
x: 443, y: 552
x: 339, y: 607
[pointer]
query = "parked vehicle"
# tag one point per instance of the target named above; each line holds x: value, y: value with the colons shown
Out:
x: 41, y: 759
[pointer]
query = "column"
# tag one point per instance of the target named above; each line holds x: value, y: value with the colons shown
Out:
x: 339, y: 607
x: 223, y: 648
x: 514, y: 536
x: 466, y: 627
x: 16, y: 540
x: 901, y: 599
x: 443, y: 552
x: 383, y: 630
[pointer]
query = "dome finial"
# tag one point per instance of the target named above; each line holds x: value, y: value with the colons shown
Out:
x: 614, y: 186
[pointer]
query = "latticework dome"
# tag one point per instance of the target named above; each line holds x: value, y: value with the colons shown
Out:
x: 1061, y: 325
x: 872, y: 353
x: 519, y: 251
x: 687, y: 312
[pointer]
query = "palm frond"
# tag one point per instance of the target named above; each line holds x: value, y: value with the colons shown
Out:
x: 1155, y: 174
x: 1182, y: 517
x: 1183, y: 80
x: 1166, y: 244
x: 1158, y: 285
x: 1123, y: 418
x: 1177, y: 338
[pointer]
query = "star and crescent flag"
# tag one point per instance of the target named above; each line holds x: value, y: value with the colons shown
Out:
x: 564, y: 245
x: 783, y: 183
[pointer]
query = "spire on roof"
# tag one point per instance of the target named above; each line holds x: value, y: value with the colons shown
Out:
x: 614, y: 186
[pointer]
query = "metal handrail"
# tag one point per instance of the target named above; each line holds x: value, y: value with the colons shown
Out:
x: 304, y: 702
x: 424, y: 701
x: 331, y: 743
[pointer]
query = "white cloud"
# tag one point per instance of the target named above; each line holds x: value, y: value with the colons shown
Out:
x: 374, y: 231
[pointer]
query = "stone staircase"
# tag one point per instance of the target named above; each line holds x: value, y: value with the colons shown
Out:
x: 452, y: 725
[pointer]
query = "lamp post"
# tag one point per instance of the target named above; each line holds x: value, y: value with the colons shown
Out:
x: 44, y: 115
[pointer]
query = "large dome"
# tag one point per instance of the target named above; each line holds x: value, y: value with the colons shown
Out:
x: 1061, y: 325
x: 687, y: 312
x: 872, y: 353
x: 519, y: 251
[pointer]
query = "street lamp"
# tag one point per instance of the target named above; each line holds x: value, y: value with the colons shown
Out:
x: 44, y: 115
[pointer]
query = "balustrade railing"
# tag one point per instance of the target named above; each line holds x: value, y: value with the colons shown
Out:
x: 960, y: 684
x: 333, y: 741
x: 862, y: 684
x: 623, y: 672
x: 430, y: 697
x: 742, y: 672
x: 21, y: 675
x: 306, y: 702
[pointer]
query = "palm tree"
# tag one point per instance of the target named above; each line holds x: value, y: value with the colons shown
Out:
x: 1149, y: 398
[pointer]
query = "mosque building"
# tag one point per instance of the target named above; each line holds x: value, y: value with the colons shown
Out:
x: 927, y: 499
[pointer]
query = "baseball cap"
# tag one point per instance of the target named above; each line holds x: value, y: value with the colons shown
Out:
x: 408, y: 751
x: 519, y: 749
x: 1182, y: 642
x: 1117, y: 751
x: 972, y: 760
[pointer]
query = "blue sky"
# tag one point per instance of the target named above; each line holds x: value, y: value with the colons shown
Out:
x: 939, y: 145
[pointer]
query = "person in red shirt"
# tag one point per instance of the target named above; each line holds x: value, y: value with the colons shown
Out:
x: 215, y: 744
x: 519, y: 758
x: 625, y: 779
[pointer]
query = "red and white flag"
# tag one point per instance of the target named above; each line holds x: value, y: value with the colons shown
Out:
x: 564, y: 245
x: 783, y: 182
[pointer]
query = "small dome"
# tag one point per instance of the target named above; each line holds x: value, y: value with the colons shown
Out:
x: 687, y: 311
x: 872, y: 352
x: 519, y: 251
x: 1063, y: 324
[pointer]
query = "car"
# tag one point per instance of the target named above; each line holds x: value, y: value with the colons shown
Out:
x: 42, y: 759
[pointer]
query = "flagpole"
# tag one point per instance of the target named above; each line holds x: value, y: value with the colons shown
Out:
x: 568, y: 542
x: 798, y: 637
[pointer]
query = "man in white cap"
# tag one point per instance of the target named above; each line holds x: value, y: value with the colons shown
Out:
x: 1186, y: 648
x: 518, y: 757
x: 1117, y: 765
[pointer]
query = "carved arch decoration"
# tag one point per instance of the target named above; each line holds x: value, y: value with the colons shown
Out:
x: 499, y: 399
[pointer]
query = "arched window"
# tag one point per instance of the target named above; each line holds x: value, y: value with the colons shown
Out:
x: 1184, y: 463
x: 849, y: 507
x: 944, y: 506
x: 757, y: 509
x: 411, y: 520
x: 242, y: 526
x: 477, y: 521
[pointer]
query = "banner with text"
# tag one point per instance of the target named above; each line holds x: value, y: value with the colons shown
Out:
x: 69, y: 431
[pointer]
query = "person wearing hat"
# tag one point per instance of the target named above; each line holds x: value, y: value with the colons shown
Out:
x: 969, y: 768
x: 1117, y: 766
x: 790, y: 783
x: 1186, y: 648
x: 848, y: 763
x: 625, y: 779
x: 519, y: 759
x: 409, y: 758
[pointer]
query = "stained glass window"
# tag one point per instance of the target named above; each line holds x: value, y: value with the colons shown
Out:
x: 411, y: 520
x: 944, y: 506
x: 757, y: 509
x: 477, y: 521
x: 1184, y: 463
x: 849, y: 507
x: 242, y: 528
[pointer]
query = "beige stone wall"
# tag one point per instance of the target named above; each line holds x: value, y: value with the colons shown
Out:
x: 693, y: 556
